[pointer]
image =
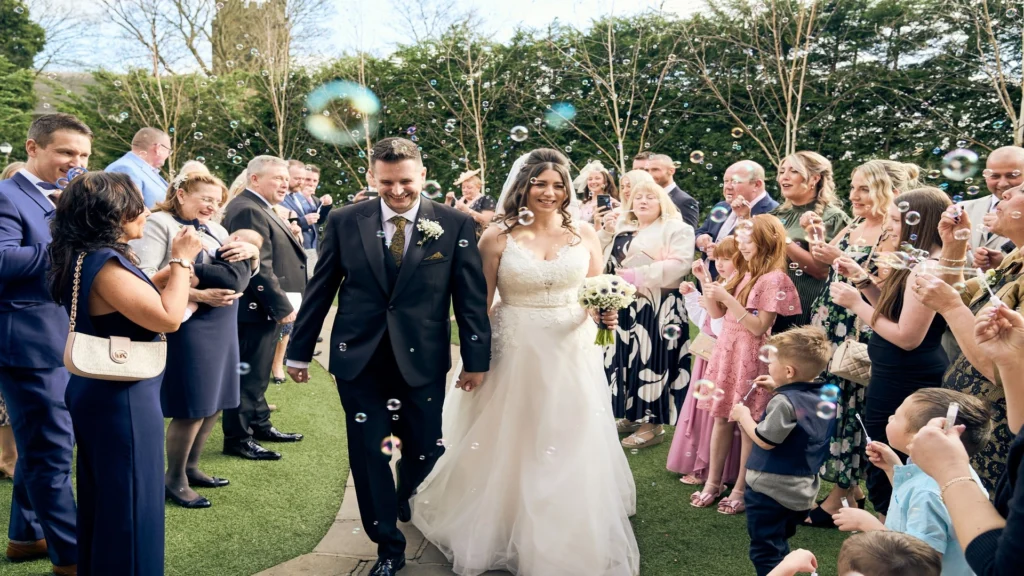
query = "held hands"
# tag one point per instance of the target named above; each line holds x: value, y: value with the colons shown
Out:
x: 987, y: 259
x: 186, y: 243
x: 953, y: 220
x: 236, y: 251
x: 999, y: 333
x: 882, y: 456
x: 740, y: 412
x: 824, y: 252
x: 469, y: 381
x: 935, y: 294
x: 610, y: 318
x: 796, y: 562
x: 844, y: 294
x: 940, y: 453
x: 300, y: 375
x: 855, y: 519
x: 216, y: 297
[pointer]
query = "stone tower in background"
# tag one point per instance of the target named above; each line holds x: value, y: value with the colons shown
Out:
x: 252, y: 35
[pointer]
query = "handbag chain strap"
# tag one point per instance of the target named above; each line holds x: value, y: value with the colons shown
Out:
x: 74, y: 296
x: 74, y: 290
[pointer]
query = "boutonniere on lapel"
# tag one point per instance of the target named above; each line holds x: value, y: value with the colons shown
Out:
x: 430, y: 229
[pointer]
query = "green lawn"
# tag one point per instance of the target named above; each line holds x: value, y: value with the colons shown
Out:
x: 272, y: 512
x: 677, y: 539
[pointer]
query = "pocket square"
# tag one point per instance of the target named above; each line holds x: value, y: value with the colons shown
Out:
x: 435, y: 256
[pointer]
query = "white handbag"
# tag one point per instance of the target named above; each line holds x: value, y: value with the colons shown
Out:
x: 116, y: 358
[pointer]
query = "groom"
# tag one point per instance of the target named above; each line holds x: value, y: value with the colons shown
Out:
x: 395, y: 265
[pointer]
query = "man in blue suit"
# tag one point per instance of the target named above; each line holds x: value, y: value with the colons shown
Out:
x: 311, y: 211
x: 34, y: 330
x: 745, y: 196
x: 150, y: 149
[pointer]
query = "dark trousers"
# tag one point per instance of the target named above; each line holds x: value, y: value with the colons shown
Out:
x: 770, y: 526
x: 256, y: 342
x: 418, y: 428
x: 120, y: 430
x: 43, y: 505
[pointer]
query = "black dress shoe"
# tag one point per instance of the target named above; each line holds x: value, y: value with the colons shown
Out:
x: 213, y: 482
x: 387, y: 566
x: 275, y: 435
x: 199, y: 502
x: 404, y: 511
x: 319, y: 339
x: 250, y: 450
x: 278, y: 380
x: 316, y: 353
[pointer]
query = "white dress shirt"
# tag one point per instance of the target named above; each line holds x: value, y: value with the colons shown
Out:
x: 733, y: 219
x: 386, y: 214
x: 36, y: 181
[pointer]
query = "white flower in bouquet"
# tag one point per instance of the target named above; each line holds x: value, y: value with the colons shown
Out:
x: 603, y: 293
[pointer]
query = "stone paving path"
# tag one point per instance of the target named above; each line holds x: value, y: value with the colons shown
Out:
x: 345, y: 550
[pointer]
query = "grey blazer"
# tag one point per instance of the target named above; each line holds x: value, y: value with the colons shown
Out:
x: 154, y: 248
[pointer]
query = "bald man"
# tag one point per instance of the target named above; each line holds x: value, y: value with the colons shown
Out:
x: 1004, y: 169
x: 661, y: 168
x: 150, y: 149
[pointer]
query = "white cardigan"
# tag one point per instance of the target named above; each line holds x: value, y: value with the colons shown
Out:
x: 154, y: 248
x: 667, y: 244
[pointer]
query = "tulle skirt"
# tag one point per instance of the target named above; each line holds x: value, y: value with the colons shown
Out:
x: 533, y: 479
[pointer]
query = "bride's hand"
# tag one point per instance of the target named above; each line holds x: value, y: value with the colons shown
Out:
x: 469, y: 381
x: 609, y: 318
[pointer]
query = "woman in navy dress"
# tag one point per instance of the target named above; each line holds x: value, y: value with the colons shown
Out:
x: 201, y: 380
x: 118, y: 425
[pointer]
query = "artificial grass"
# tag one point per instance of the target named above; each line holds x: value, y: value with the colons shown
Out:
x: 271, y: 512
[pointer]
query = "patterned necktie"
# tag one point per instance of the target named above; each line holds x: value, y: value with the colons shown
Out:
x: 398, y: 240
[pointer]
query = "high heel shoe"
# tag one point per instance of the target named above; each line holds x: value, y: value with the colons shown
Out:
x: 199, y: 502
x: 278, y: 380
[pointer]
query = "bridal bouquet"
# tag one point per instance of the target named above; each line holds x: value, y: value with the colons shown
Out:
x: 603, y: 293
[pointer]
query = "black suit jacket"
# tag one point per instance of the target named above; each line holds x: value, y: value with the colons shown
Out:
x: 282, y: 260
x: 415, y: 314
x: 686, y: 204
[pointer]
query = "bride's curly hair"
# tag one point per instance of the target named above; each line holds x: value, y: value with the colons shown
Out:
x: 539, y: 161
x: 91, y: 213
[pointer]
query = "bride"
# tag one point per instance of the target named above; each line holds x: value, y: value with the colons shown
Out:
x: 533, y: 479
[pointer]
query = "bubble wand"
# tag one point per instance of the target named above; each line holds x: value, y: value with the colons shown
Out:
x: 865, y: 429
x: 951, y: 413
x: 753, y: 386
x: 992, y: 295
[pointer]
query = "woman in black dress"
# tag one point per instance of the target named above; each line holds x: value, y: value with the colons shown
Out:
x: 202, y: 379
x: 906, y: 345
x: 118, y: 425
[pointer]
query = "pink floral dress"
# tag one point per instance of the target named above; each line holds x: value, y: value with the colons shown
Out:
x: 734, y: 363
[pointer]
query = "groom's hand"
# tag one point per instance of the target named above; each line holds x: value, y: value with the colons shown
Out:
x: 468, y: 381
x: 300, y: 375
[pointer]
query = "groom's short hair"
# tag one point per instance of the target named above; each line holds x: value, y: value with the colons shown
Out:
x: 393, y: 150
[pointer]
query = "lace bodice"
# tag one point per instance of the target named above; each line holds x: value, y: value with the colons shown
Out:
x: 527, y: 282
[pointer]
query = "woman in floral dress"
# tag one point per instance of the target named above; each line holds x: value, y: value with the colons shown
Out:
x: 873, y: 186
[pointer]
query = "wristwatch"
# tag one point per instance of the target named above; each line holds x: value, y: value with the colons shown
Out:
x: 184, y: 264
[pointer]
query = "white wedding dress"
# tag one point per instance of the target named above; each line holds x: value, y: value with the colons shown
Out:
x: 533, y: 479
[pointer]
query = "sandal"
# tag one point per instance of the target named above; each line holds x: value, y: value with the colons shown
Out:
x: 819, y: 518
x: 730, y: 506
x: 626, y: 426
x: 691, y: 480
x: 638, y: 440
x: 702, y: 499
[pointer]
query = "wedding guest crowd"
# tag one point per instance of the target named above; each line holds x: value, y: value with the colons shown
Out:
x: 833, y: 335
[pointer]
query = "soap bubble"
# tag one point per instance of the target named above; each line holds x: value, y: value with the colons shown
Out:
x: 825, y: 410
x: 519, y: 133
x: 347, y: 103
x: 962, y: 234
x: 672, y: 332
x: 973, y: 190
x: 830, y: 393
x: 959, y: 164
x: 360, y: 417
x: 560, y: 115
x: 719, y: 214
x: 737, y: 132
x: 394, y: 404
x: 764, y: 354
x: 526, y: 217
x: 903, y: 206
x: 703, y: 389
x: 780, y: 295
x: 697, y: 157
x: 913, y: 218
x: 198, y: 135
x: 463, y: 243
x: 389, y: 445
x: 432, y: 189
x: 243, y: 368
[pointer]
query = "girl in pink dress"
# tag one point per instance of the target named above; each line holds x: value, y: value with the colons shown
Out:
x: 691, y: 444
x: 749, y: 303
